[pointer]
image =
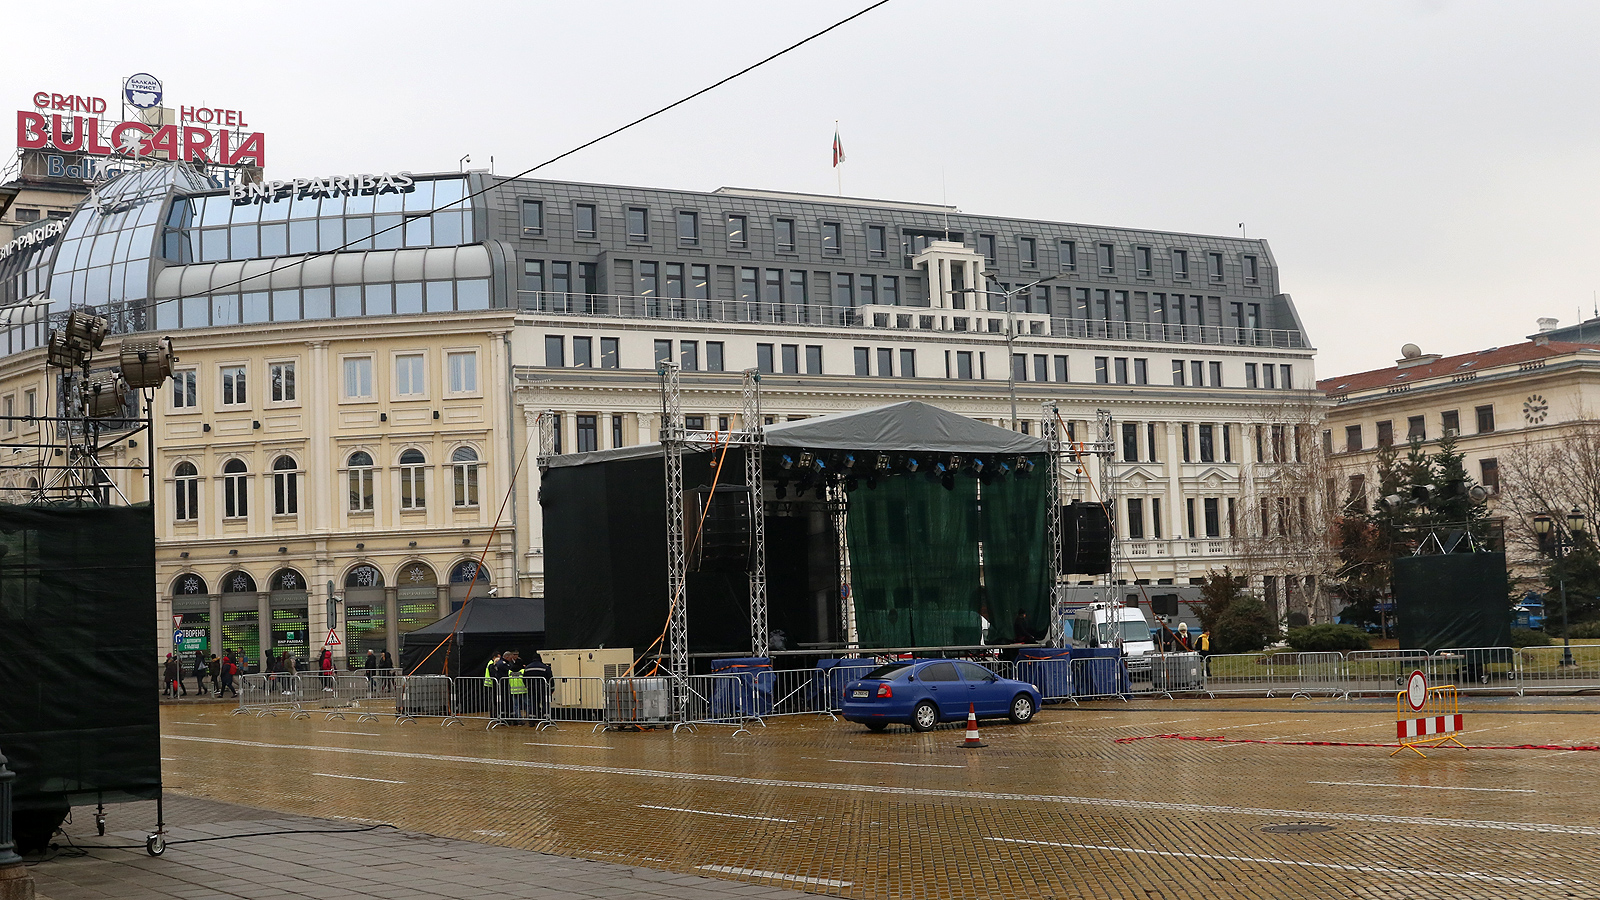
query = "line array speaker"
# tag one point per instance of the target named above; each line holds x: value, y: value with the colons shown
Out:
x: 1085, y: 539
x: 724, y: 544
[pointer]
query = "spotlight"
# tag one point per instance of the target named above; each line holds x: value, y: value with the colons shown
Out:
x: 61, y: 354
x: 849, y: 461
x: 146, y: 362
x: 912, y: 464
x: 786, y: 462
x: 86, y: 332
x: 1003, y: 469
x: 1024, y: 467
x: 806, y: 459
x: 818, y: 464
x: 104, y: 394
x: 883, y: 462
x: 976, y: 465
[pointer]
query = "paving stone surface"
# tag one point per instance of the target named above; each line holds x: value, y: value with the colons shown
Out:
x: 1056, y: 808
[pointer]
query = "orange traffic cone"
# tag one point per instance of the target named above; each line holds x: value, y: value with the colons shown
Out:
x: 972, y: 742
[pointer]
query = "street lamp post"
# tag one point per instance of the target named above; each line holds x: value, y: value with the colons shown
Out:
x: 1011, y: 331
x: 1557, y: 542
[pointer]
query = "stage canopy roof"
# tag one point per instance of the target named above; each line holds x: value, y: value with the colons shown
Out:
x: 911, y: 425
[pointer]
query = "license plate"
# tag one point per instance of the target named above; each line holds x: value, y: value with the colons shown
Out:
x: 858, y: 693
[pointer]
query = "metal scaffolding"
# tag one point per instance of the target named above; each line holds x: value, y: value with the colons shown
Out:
x: 752, y: 427
x: 1064, y: 455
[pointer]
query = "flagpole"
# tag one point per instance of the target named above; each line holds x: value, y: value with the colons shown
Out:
x: 837, y: 172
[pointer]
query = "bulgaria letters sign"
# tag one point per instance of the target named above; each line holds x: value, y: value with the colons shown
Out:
x: 75, y: 124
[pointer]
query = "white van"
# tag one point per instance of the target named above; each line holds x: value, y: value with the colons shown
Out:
x: 1106, y: 625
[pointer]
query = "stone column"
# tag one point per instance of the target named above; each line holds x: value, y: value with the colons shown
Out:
x: 216, y: 626
x: 391, y: 622
x: 264, y: 623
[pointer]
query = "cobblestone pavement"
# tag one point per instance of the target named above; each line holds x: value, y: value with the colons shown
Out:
x: 1051, y: 809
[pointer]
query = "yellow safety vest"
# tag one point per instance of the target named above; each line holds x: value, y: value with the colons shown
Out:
x: 518, y: 686
x: 488, y: 674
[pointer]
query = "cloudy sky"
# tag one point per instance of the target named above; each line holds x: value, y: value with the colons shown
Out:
x: 1425, y: 170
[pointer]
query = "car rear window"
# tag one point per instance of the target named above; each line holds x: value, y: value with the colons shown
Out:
x: 890, y: 672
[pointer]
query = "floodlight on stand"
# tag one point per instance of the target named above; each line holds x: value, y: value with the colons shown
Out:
x: 104, y: 394
x: 86, y: 332
x: 60, y: 353
x: 146, y: 362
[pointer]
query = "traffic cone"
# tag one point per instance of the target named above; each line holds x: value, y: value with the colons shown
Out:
x: 972, y: 742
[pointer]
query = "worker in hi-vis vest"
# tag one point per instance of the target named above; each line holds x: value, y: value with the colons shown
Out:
x: 519, y: 692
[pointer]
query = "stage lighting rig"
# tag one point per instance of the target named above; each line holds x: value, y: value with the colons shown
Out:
x: 146, y: 362
x: 104, y: 394
x: 883, y: 463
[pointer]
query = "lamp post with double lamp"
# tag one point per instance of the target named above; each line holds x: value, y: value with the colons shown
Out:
x: 1556, y: 542
x: 1011, y: 330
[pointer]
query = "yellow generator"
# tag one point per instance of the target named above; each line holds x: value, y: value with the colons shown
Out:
x: 578, y: 676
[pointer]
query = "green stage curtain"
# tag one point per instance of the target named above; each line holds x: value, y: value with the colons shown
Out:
x: 914, y: 562
x: 1016, y: 563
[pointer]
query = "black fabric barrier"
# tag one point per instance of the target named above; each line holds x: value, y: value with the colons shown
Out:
x: 78, y: 701
x: 1452, y: 600
x: 460, y: 643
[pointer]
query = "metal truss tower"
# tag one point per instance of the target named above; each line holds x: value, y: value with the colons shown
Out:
x: 753, y: 433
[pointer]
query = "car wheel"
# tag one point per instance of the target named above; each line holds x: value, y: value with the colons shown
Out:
x: 1022, y: 709
x: 925, y: 716
x: 877, y: 726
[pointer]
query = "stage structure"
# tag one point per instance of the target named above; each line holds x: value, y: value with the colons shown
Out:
x: 894, y: 526
x: 1068, y: 461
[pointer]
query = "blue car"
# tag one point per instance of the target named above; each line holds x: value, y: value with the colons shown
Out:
x: 924, y: 692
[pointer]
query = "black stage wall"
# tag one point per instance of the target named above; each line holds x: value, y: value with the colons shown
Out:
x: 1452, y: 600
x: 78, y: 676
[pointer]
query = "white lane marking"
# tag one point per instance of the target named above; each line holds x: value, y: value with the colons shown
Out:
x: 1252, y: 725
x: 366, y: 733
x: 707, y: 812
x: 778, y: 876
x: 492, y: 833
x: 1428, y: 787
x: 584, y: 746
x: 169, y: 759
x: 1101, y: 802
x: 879, y: 762
x: 1341, y: 867
x: 357, y: 778
x: 199, y: 724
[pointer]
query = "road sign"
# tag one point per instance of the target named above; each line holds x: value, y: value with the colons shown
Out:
x: 333, y: 639
x: 1417, y: 691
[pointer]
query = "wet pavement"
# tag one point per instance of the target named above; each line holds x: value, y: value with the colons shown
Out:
x: 1056, y: 808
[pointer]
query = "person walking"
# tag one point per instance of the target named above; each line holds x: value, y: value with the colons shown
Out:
x: 372, y: 668
x: 230, y: 672
x: 169, y: 677
x: 289, y: 672
x: 386, y: 666
x: 214, y: 669
x: 327, y: 670
x: 1184, y: 644
x: 199, y: 672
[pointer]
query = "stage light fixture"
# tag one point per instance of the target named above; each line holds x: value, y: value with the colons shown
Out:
x: 61, y: 354
x: 786, y: 462
x: 883, y: 462
x: 146, y: 362
x: 912, y: 464
x: 977, y: 466
x: 806, y: 459
x: 86, y: 332
x: 1024, y: 467
x: 849, y: 461
x: 818, y: 464
x: 104, y: 394
x: 1003, y: 469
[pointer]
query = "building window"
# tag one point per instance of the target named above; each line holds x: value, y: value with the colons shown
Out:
x: 885, y: 362
x: 1489, y: 475
x: 1061, y: 369
x: 235, y: 490
x: 1067, y: 254
x: 610, y: 356
x: 1177, y: 373
x: 689, y: 355
x: 638, y: 225
x: 986, y: 246
x: 1252, y: 270
x: 413, y: 480
x: 233, y: 386
x: 555, y: 351
x: 1180, y: 265
x: 186, y: 493
x: 1188, y: 456
x: 1485, y: 419
x: 1108, y: 259
x: 738, y: 233
x: 281, y: 375
x: 408, y: 376
x: 1102, y: 370
x: 1214, y: 266
x: 1227, y: 442
x: 555, y: 433
x: 1352, y: 438
x: 863, y: 360
x: 464, y: 464
x: 1385, y: 434
x: 843, y: 290
x: 1028, y: 251
x: 1019, y: 367
x: 1216, y: 374
x: 532, y: 217
x: 463, y: 367
x: 1121, y: 367
x: 1143, y: 261
x: 813, y: 359
x: 688, y: 228
x: 1150, y: 440
x: 1135, y: 519
x: 1416, y: 428
x: 184, y: 395
x: 1208, y: 449
x: 783, y: 235
x: 1155, y: 518
x: 663, y: 354
x: 360, y: 477
x: 714, y: 356
x: 1041, y: 367
x: 764, y: 358
x: 1250, y: 380
x: 877, y: 242
x: 1327, y: 442
x: 908, y: 363
x: 584, y: 222
x: 832, y: 239
x: 1450, y: 422
x: 1286, y: 377
x: 964, y: 365
x: 1213, y: 523
x: 791, y: 359
x: 1130, y: 442
x: 616, y: 431
x: 285, y: 487
x: 588, y: 428
x: 1197, y: 373
x: 1268, y: 381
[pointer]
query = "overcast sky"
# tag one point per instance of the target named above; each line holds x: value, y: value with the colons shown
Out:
x: 1424, y: 171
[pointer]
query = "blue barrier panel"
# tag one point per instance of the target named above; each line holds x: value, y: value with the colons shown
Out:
x: 748, y: 694
x: 1102, y: 678
x: 1047, y: 668
x: 836, y: 673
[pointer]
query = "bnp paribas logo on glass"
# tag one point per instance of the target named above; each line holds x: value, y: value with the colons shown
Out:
x: 142, y: 91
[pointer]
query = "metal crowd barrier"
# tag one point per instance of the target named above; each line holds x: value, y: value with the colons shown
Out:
x: 1236, y: 673
x: 266, y: 695
x: 1380, y: 671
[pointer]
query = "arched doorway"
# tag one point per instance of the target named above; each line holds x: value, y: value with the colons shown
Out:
x: 290, y: 602
x: 466, y: 576
x: 191, y: 613
x: 417, y: 595
x: 364, y: 620
x: 241, y: 620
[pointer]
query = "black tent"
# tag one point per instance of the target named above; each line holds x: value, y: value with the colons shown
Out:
x: 460, y: 643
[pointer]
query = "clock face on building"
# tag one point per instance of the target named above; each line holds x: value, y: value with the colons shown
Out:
x: 1534, y: 409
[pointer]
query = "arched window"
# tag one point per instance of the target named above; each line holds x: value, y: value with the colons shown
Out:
x: 189, y: 583
x: 238, y: 582
x: 235, y: 494
x: 285, y: 486
x: 360, y: 466
x: 363, y: 576
x: 465, y: 463
x: 186, y: 480
x: 413, y: 480
x: 287, y: 580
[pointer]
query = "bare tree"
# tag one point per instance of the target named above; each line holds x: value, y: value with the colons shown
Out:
x: 1547, y: 475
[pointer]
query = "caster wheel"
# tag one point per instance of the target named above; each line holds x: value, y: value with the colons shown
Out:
x: 100, y: 827
x: 155, y: 845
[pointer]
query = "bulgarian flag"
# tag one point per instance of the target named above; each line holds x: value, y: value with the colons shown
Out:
x: 838, y: 147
